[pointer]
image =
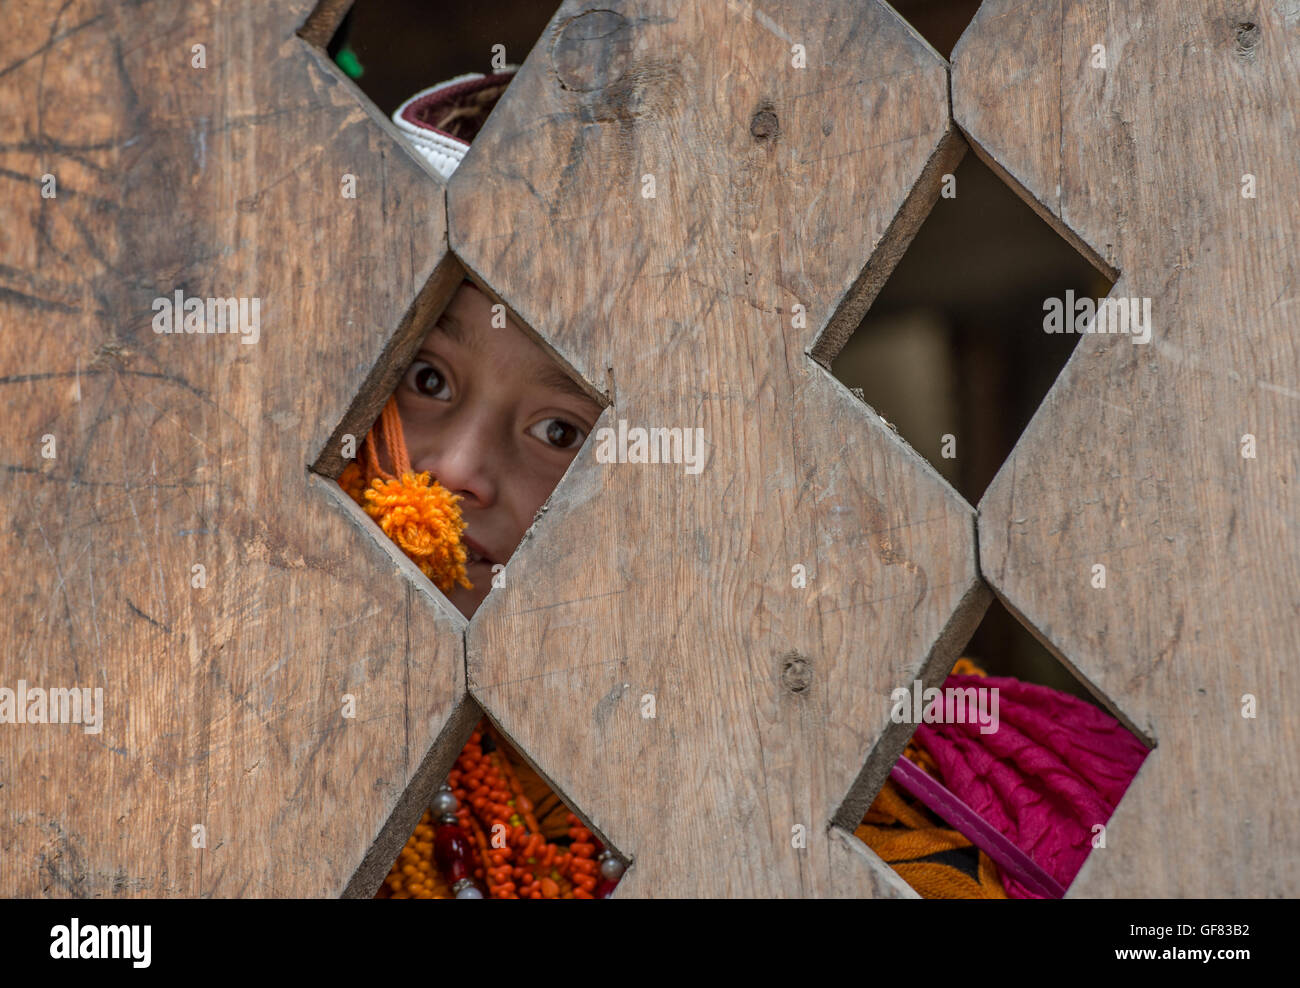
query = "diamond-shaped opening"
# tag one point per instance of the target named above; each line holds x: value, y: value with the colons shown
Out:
x: 940, y: 22
x: 476, y: 400
x: 953, y: 352
x: 393, y: 49
x: 1011, y: 772
x: 496, y: 828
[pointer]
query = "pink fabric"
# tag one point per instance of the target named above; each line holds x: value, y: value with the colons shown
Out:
x: 1054, y: 768
x: 1011, y: 861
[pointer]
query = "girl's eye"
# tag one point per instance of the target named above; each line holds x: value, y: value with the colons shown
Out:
x: 426, y: 379
x: 559, y: 433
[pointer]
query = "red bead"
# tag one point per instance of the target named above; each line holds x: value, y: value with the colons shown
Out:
x: 453, y: 851
x: 604, y: 888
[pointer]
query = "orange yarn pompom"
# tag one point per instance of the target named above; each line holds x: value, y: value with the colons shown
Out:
x: 423, y: 518
x: 353, y: 482
x: 415, y: 511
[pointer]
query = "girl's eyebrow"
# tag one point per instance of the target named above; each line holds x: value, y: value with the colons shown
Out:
x: 557, y: 380
x: 552, y: 377
x: 455, y: 330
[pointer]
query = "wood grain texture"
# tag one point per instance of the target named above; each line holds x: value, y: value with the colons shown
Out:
x: 223, y: 704
x: 774, y: 187
x: 1135, y: 459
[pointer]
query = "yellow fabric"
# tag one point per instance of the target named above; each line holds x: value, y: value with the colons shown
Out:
x: 902, y: 831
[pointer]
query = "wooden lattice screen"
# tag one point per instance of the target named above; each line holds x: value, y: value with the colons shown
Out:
x: 784, y: 196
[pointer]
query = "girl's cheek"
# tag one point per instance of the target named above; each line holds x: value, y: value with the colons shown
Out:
x: 420, y: 431
x: 528, y: 500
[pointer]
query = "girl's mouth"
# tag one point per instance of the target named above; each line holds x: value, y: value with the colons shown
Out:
x: 474, y: 552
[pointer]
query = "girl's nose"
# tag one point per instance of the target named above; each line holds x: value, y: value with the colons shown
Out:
x: 459, y: 460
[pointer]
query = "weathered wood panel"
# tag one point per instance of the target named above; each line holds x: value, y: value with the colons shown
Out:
x: 1135, y: 459
x: 222, y: 705
x: 774, y: 186
x: 786, y: 186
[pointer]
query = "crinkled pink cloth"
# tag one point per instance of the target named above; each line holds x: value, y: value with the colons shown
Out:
x: 1054, y: 768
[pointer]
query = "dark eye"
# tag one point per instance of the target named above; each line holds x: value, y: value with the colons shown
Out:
x: 426, y: 379
x: 559, y: 433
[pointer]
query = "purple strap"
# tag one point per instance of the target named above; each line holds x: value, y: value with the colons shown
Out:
x: 1005, y: 854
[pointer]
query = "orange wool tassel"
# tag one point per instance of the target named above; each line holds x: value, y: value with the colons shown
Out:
x: 416, y: 512
x: 423, y: 518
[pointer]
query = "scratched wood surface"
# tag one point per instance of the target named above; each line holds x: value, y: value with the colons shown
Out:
x: 787, y: 187
x: 223, y: 705
x: 774, y: 188
x: 1135, y: 459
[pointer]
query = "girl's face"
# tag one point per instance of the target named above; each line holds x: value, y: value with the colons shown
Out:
x: 494, y: 419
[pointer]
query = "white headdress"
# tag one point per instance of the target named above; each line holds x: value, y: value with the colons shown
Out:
x: 433, y: 118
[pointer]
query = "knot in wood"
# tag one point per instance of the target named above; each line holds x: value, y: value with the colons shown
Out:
x: 592, y: 51
x: 764, y: 125
x: 1246, y: 34
x: 796, y: 672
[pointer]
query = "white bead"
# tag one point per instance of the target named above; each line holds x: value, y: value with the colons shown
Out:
x: 469, y: 892
x: 443, y: 802
x: 611, y: 868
